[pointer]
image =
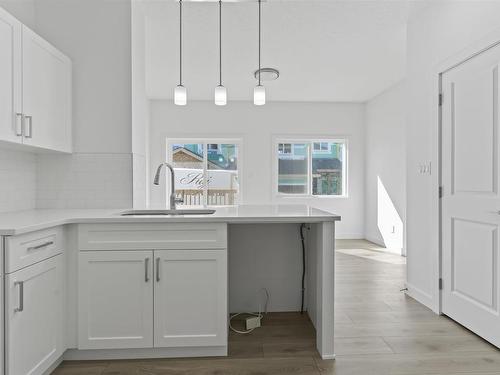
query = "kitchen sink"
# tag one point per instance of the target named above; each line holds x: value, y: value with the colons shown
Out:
x: 167, y: 212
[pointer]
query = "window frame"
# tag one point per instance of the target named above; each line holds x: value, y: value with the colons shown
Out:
x: 309, y: 141
x: 205, y: 142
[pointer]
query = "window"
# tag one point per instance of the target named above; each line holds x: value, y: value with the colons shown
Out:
x: 205, y: 173
x: 321, y: 146
x: 285, y: 148
x: 311, y: 167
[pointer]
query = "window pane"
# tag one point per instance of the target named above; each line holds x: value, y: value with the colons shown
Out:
x: 187, y: 160
x: 327, y: 169
x: 292, y: 169
x: 223, y: 185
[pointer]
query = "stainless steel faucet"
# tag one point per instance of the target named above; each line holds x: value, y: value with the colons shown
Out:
x: 173, y: 199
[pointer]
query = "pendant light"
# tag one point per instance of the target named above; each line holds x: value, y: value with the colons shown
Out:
x: 259, y: 92
x: 220, y: 90
x: 180, y: 93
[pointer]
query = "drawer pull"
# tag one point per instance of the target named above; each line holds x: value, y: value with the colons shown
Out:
x: 41, y: 246
x: 157, y: 269
x: 21, y: 296
x: 30, y: 127
x: 146, y: 270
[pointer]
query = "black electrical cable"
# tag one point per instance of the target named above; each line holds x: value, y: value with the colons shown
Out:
x: 302, y: 226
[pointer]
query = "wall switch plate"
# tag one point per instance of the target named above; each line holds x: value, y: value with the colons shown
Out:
x: 253, y: 322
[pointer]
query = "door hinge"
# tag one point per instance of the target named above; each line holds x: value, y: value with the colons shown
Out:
x: 440, y: 99
x: 441, y: 192
x: 440, y: 284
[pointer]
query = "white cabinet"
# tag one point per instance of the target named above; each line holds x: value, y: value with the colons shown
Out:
x: 127, y: 301
x: 34, y: 325
x: 115, y: 308
x: 10, y: 78
x: 46, y: 94
x: 35, y: 90
x: 190, y: 298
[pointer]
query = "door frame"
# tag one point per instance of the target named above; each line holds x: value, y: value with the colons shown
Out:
x: 472, y: 50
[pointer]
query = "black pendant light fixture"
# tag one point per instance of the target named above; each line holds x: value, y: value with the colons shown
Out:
x: 220, y: 90
x: 259, y: 92
x: 180, y: 92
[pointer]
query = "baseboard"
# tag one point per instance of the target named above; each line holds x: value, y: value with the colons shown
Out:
x: 420, y: 296
x: 375, y: 239
x: 349, y: 236
x: 53, y: 366
x: 108, y: 354
x: 331, y: 356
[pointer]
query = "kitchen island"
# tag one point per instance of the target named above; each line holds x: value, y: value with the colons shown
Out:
x: 98, y: 285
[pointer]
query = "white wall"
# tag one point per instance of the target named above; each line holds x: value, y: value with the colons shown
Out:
x: 434, y: 35
x: 140, y: 108
x: 96, y: 35
x: 256, y: 126
x: 385, y: 190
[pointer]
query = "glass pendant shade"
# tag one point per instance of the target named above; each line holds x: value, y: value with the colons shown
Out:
x: 220, y: 95
x: 180, y: 95
x: 259, y: 95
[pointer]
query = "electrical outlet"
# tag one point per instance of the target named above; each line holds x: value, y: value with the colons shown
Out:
x: 252, y: 322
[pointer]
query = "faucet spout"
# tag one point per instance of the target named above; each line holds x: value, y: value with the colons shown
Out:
x: 173, y: 199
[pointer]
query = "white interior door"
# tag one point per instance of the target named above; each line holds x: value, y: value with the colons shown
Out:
x: 190, y: 298
x: 46, y: 94
x: 115, y: 300
x: 470, y: 203
x: 10, y: 78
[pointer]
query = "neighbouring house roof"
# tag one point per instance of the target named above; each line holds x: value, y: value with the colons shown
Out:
x: 182, y: 154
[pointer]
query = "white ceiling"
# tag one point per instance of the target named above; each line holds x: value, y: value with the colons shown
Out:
x: 346, y: 51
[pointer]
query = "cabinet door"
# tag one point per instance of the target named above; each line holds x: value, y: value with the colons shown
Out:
x: 190, y: 298
x: 10, y: 78
x: 46, y: 94
x: 115, y: 300
x: 34, y: 318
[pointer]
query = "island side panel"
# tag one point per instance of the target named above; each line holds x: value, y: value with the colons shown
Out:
x: 325, y: 289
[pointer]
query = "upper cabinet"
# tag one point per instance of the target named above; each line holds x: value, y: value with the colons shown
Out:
x: 35, y: 105
x: 10, y: 78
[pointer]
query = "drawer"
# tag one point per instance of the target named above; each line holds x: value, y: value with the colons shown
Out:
x: 152, y: 236
x: 26, y: 249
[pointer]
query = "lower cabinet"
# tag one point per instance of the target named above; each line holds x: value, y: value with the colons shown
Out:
x: 115, y: 300
x: 161, y: 298
x: 34, y: 332
x: 190, y: 297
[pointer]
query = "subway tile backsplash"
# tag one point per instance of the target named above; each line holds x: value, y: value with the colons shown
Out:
x: 17, y: 180
x: 84, y: 181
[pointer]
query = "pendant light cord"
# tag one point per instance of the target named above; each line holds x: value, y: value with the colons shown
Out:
x: 220, y: 42
x: 180, y: 42
x: 260, y: 15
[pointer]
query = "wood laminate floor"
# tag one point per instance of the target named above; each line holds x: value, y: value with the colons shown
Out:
x: 379, y: 331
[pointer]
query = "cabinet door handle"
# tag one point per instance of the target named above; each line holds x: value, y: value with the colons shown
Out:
x: 21, y: 296
x: 157, y: 269
x: 19, y: 129
x: 30, y: 127
x: 37, y: 247
x: 146, y: 270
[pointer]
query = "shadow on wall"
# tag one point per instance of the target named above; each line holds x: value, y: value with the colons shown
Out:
x: 389, y: 222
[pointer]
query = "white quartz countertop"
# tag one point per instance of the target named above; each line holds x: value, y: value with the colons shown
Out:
x: 18, y: 222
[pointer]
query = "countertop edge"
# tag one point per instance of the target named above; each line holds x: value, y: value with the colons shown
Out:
x: 135, y: 220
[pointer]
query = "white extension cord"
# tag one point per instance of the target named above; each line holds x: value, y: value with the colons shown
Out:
x: 260, y: 315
